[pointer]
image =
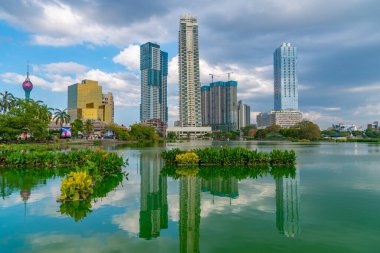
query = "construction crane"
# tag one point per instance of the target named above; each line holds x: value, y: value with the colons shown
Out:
x: 229, y: 75
x: 212, y: 77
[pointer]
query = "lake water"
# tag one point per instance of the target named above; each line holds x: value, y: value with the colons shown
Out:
x: 331, y: 205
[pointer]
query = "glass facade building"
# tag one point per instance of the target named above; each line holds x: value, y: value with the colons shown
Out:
x: 154, y: 73
x: 85, y: 100
x: 219, y: 105
x: 285, y: 78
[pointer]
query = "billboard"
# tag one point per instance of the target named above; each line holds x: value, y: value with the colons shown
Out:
x: 65, y: 132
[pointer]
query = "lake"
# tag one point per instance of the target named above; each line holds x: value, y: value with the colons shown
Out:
x: 331, y: 204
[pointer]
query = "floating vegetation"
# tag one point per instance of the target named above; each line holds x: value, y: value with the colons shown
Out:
x: 229, y: 157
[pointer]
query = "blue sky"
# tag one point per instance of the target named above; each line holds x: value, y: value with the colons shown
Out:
x: 66, y: 41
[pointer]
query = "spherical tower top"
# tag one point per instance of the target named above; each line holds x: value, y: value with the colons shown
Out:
x: 27, y: 85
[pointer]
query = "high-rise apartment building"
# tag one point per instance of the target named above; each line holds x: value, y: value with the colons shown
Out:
x: 86, y: 101
x: 154, y: 73
x: 189, y: 81
x: 244, y: 115
x: 285, y: 78
x: 219, y: 105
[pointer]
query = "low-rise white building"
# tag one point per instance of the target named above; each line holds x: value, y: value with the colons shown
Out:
x: 284, y: 119
x: 184, y: 132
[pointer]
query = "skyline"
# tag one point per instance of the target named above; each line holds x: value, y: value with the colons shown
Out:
x: 337, y: 61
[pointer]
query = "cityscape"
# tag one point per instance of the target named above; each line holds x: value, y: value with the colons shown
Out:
x: 195, y: 126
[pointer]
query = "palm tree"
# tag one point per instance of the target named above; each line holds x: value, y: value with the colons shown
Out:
x: 61, y: 117
x: 6, y: 101
x: 88, y: 126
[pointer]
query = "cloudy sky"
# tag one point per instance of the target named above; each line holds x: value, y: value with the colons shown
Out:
x: 66, y: 41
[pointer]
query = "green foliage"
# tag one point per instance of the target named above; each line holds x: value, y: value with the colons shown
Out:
x: 226, y: 172
x: 143, y: 132
x: 260, y: 134
x: 233, y: 156
x: 187, y: 158
x: 76, y: 209
x: 77, y: 126
x: 372, y: 133
x: 88, y: 127
x: 76, y: 186
x: 308, y: 130
x: 172, y: 135
x: 61, y: 117
x: 24, y: 116
x: 96, y: 143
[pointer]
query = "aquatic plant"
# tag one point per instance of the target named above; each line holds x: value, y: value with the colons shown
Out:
x: 233, y: 156
x: 76, y: 186
x: 187, y: 158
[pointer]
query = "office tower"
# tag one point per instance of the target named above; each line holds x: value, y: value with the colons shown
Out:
x: 189, y: 82
x: 244, y: 115
x: 27, y: 85
x: 285, y: 78
x: 284, y: 119
x: 86, y: 101
x: 219, y: 106
x: 153, y: 196
x: 189, y: 214
x: 288, y: 205
x: 154, y: 73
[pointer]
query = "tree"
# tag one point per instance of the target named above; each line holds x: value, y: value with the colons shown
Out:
x: 308, y: 130
x: 61, y: 117
x: 7, y: 101
x: 77, y: 126
x: 260, y: 134
x: 172, y: 135
x: 27, y: 117
x: 88, y: 126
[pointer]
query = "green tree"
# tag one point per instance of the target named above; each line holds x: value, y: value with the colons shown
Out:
x: 260, y: 134
x: 28, y: 117
x: 61, y: 117
x: 308, y: 130
x: 77, y: 126
x: 172, y: 135
x: 7, y: 101
x: 88, y: 126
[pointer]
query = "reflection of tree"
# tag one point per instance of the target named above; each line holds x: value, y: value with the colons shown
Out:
x: 80, y: 209
x: 287, y: 205
x: 154, y: 206
x: 189, y: 213
x: 24, y: 180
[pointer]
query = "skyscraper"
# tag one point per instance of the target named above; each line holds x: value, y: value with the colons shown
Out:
x: 285, y: 78
x: 244, y: 115
x: 189, y: 81
x: 154, y: 73
x: 86, y: 101
x: 219, y: 105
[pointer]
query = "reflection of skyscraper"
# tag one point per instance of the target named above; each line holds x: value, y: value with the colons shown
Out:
x: 221, y: 187
x: 154, y: 206
x: 189, y: 214
x: 288, y: 206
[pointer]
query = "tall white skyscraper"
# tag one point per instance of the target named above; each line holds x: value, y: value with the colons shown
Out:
x: 285, y: 78
x: 189, y: 81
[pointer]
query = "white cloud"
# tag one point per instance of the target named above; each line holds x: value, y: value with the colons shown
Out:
x: 129, y: 57
x: 370, y: 110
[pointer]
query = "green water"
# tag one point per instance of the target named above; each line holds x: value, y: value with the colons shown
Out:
x: 331, y: 205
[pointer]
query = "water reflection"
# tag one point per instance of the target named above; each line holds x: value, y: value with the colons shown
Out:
x: 189, y: 214
x: 222, y: 187
x: 153, y: 198
x: 288, y: 205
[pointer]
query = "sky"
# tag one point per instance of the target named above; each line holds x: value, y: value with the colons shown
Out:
x: 338, y: 45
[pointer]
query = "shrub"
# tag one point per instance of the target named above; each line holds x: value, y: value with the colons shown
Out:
x: 187, y: 158
x: 77, y: 186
